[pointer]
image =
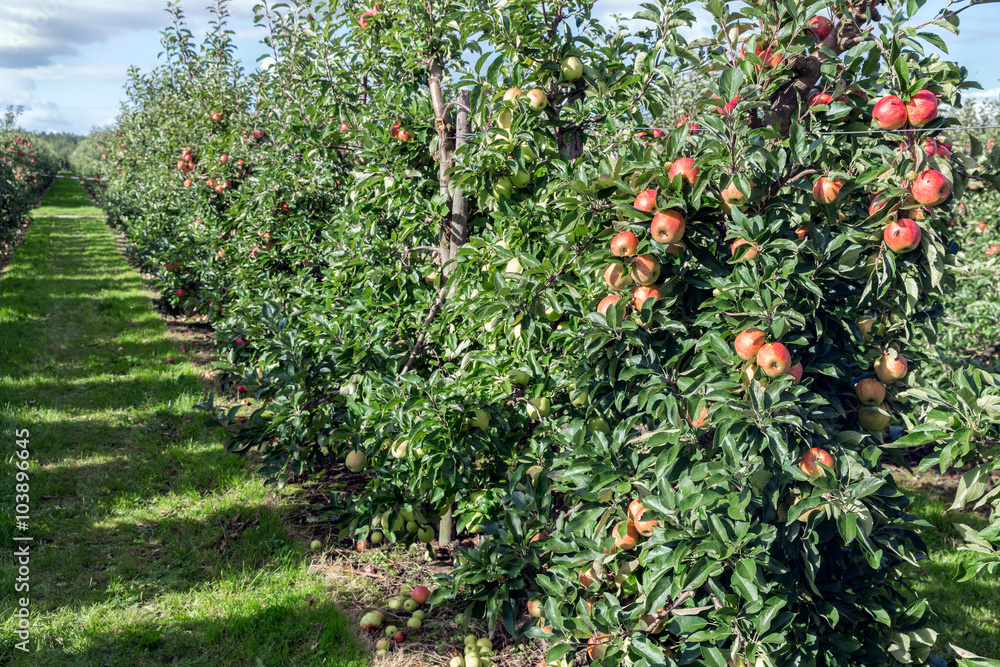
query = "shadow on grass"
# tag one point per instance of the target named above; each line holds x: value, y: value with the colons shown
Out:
x: 151, y: 546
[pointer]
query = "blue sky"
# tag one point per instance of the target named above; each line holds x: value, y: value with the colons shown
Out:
x: 65, y: 61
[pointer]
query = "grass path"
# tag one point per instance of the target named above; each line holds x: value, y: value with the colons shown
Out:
x: 151, y: 546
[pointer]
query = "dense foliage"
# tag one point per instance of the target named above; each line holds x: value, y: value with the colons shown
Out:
x: 23, y: 160
x: 403, y: 223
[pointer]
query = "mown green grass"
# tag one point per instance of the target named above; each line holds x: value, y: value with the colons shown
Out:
x: 151, y: 546
x: 66, y: 197
x: 968, y: 611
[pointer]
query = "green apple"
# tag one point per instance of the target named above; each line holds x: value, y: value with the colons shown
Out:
x: 572, y: 68
x: 376, y: 537
x: 412, y: 527
x: 407, y: 514
x: 539, y: 407
x: 537, y: 101
x: 520, y: 178
x: 513, y: 266
x: 457, y: 661
x: 315, y: 545
x: 382, y: 644
x: 480, y: 421
x: 425, y: 534
x: 355, y: 461
x: 519, y: 377
x: 420, y: 613
x: 503, y: 187
x: 511, y: 94
x: 505, y: 119
x: 410, y: 605
x: 551, y: 314
x: 414, y: 623
x: 599, y: 425
x: 580, y: 398
x: 390, y: 630
x: 399, y: 449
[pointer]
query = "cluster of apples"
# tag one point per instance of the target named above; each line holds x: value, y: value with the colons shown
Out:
x: 478, y: 653
x: 773, y: 359
x: 398, y: 133
x: 666, y: 227
x: 628, y: 533
x: 410, y: 602
x: 186, y: 164
x: 889, y: 368
x: 390, y: 521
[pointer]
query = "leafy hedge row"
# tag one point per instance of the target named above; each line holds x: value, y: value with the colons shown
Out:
x: 23, y: 157
x: 402, y: 226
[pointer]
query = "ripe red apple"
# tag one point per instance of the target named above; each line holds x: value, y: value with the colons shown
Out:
x: 879, y: 202
x: 922, y: 108
x: 180, y: 293
x: 667, y: 226
x: 820, y: 98
x: 535, y: 608
x: 607, y: 302
x: 170, y: 360
x: 725, y: 109
x: 223, y: 158
x: 641, y: 294
x: 644, y: 527
x: 657, y: 133
x: 751, y: 253
x: 774, y: 359
x: 625, y: 534
x: 820, y: 26
x: 645, y: 269
x: 216, y: 116
x: 421, y: 594
x: 748, y: 342
x: 809, y: 463
x: 801, y: 232
x: 902, y: 235
x: 587, y: 577
x: 731, y: 196
x: 889, y: 370
x: 796, y: 372
x: 684, y: 167
x: 624, y: 244
x: 616, y: 278
x: 826, y: 190
x: 889, y: 113
x: 645, y: 200
x: 870, y: 391
x: 930, y: 188
x: 399, y: 637
x: 240, y: 389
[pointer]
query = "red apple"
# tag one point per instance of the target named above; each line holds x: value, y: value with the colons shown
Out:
x: 870, y: 391
x: 645, y: 200
x: 667, y: 226
x: 180, y: 293
x: 774, y: 359
x: 616, y: 278
x: 420, y: 594
x: 889, y: 369
x: 607, y: 302
x: 820, y: 26
x: 641, y: 294
x: 657, y: 134
x: 922, y: 108
x: 796, y: 372
x: 902, y: 235
x: 625, y: 534
x: 826, y: 190
x: 879, y: 202
x: 634, y: 508
x: 644, y: 528
x: 645, y: 269
x: 820, y: 98
x: 728, y: 107
x: 224, y: 158
x: 535, y: 608
x: 889, y: 113
x: 684, y: 167
x: 930, y: 188
x: 587, y: 577
x: 748, y: 342
x: 751, y: 253
x: 801, y: 232
x: 809, y: 463
x: 597, y: 646
x: 731, y: 196
x: 624, y: 244
x: 344, y: 127
x: 399, y: 637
